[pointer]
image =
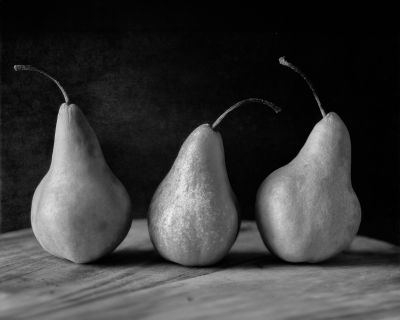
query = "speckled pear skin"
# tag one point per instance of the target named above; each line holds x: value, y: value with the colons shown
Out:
x: 80, y: 210
x: 193, y: 218
x: 307, y: 211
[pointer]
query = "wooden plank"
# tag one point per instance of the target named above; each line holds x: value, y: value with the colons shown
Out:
x: 134, y: 282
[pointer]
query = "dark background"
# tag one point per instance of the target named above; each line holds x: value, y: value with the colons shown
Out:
x: 145, y: 79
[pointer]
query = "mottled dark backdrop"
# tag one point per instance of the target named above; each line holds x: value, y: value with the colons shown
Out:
x: 146, y: 82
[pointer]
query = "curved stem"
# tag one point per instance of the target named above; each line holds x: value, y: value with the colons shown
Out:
x: 284, y: 62
x: 20, y: 67
x: 242, y: 102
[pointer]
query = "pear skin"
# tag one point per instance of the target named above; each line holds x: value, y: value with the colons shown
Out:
x: 307, y: 211
x: 193, y: 218
x: 80, y: 210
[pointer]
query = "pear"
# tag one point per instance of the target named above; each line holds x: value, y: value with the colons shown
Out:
x: 80, y: 210
x: 193, y: 216
x: 307, y: 211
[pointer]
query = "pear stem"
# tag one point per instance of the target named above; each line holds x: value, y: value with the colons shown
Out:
x: 242, y: 102
x: 284, y: 62
x: 20, y: 67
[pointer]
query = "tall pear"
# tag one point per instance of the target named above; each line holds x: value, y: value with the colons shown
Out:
x: 80, y: 210
x: 307, y: 211
x: 193, y: 216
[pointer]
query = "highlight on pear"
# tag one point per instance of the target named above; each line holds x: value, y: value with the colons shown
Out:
x: 80, y: 210
x: 307, y: 210
x: 193, y: 216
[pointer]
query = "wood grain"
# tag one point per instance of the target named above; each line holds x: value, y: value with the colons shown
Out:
x: 135, y: 283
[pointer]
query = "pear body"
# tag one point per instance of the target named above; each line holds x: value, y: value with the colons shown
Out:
x: 80, y: 210
x: 307, y: 211
x: 193, y: 218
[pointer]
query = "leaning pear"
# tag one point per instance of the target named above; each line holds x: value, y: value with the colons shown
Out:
x: 307, y: 211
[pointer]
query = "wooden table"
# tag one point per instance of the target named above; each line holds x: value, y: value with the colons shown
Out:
x: 135, y: 283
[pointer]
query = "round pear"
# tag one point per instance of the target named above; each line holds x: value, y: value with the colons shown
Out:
x: 193, y: 216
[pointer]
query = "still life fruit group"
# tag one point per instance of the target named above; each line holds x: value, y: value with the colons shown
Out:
x: 306, y: 211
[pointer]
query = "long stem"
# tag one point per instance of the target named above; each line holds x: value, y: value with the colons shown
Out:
x: 284, y: 62
x: 242, y: 102
x: 20, y: 67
